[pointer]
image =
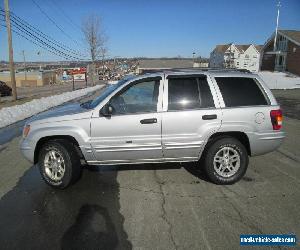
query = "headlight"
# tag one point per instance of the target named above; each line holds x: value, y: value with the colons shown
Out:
x: 26, y: 130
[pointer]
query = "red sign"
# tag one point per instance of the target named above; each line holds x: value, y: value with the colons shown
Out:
x: 77, y: 71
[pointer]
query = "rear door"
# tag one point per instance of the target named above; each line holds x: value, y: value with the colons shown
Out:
x: 191, y: 114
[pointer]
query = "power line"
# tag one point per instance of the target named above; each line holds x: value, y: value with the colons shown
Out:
x: 25, y: 24
x: 25, y: 27
x: 38, y: 39
x: 53, y: 22
x: 70, y: 21
x: 46, y: 36
x: 39, y: 45
x: 28, y: 36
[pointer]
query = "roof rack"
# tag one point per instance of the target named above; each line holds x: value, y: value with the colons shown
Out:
x: 161, y: 70
x: 219, y: 69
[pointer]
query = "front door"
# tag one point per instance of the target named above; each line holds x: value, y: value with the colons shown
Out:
x: 133, y: 132
x: 280, y: 62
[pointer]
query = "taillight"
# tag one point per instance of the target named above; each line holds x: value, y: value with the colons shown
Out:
x: 276, y: 119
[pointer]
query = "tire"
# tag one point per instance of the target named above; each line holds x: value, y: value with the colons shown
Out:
x: 59, y: 163
x: 226, y: 161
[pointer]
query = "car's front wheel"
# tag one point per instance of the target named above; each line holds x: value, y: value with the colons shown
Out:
x: 59, y: 163
x: 226, y: 161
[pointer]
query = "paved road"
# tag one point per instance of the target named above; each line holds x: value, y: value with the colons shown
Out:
x: 168, y: 206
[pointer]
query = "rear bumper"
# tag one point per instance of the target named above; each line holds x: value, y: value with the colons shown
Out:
x: 262, y: 143
x: 27, y: 150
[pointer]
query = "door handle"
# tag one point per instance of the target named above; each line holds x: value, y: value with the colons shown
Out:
x: 209, y: 117
x: 148, y: 121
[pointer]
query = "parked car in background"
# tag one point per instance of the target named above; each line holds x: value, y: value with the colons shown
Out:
x: 217, y: 119
x: 4, y: 89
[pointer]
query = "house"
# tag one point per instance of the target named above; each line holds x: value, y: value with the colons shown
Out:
x: 201, y: 63
x: 236, y: 56
x: 285, y: 56
x: 30, y: 78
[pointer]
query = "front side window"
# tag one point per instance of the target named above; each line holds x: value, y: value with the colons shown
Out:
x: 241, y: 91
x: 138, y: 98
x: 107, y: 91
x: 189, y: 93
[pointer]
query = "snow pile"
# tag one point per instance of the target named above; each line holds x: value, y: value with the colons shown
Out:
x: 112, y: 82
x: 280, y: 80
x: 16, y: 113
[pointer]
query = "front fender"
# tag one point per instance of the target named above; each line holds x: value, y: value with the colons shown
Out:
x: 80, y: 135
x: 78, y: 131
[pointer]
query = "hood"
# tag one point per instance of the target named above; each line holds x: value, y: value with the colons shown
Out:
x: 61, y: 111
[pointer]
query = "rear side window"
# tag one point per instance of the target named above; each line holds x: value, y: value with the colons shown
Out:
x: 240, y: 91
x: 189, y: 93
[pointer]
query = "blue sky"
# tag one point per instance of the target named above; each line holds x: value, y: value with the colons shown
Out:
x: 154, y: 28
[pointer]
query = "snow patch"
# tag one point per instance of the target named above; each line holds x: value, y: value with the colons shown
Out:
x: 16, y: 113
x: 280, y: 80
x: 113, y: 82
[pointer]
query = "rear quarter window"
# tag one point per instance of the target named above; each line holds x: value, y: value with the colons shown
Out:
x: 241, y: 91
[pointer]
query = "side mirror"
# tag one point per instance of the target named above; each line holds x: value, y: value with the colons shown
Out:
x: 107, y: 110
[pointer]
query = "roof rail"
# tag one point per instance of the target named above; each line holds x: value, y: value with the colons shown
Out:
x: 161, y: 70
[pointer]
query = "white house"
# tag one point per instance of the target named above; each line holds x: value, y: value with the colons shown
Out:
x: 236, y: 56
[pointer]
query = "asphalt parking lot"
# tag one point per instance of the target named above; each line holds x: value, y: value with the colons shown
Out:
x: 169, y: 206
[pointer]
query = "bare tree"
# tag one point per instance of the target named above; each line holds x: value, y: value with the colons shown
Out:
x: 96, y: 40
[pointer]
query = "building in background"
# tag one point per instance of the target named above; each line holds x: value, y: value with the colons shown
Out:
x: 201, y: 63
x: 285, y: 56
x: 150, y: 65
x: 31, y: 78
x: 236, y: 56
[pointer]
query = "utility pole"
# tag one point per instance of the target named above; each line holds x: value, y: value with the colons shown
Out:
x: 277, y: 22
x: 230, y: 57
x: 39, y: 54
x: 10, y: 51
x: 73, y: 83
x: 25, y: 69
x: 85, y: 78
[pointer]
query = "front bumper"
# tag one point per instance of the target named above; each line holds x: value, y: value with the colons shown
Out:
x: 27, y: 150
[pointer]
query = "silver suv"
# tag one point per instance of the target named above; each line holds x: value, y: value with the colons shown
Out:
x: 212, y: 117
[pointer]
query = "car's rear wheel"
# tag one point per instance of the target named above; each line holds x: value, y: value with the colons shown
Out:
x: 59, y: 163
x: 226, y: 161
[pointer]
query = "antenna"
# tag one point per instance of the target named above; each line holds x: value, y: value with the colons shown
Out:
x: 277, y: 22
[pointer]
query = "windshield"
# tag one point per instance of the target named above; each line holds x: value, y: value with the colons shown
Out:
x: 108, y: 90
